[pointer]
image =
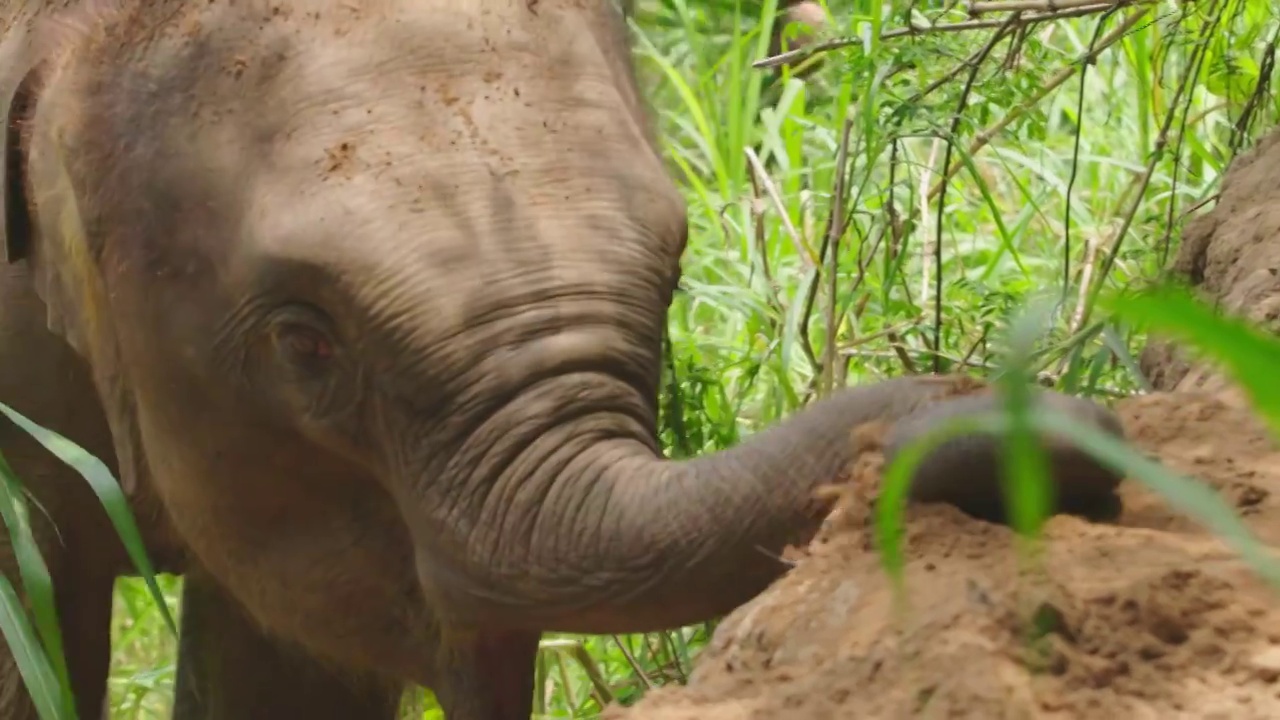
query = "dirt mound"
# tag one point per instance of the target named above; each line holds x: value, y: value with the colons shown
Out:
x: 1150, y: 617
x: 1146, y: 617
x: 1231, y: 255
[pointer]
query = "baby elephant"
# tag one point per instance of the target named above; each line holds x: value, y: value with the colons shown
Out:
x: 363, y: 302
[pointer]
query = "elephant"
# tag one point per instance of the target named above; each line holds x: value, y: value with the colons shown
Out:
x: 807, y: 17
x: 363, y: 305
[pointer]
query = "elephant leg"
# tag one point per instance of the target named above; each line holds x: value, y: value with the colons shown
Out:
x: 228, y: 669
x: 84, y: 613
x: 488, y: 675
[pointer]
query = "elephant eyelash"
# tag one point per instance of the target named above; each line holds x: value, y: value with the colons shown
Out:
x: 231, y: 351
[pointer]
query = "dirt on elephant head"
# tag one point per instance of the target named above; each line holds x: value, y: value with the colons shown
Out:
x: 1148, y: 616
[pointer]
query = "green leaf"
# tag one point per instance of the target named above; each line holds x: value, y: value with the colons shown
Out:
x: 894, y: 487
x: 105, y: 486
x: 1248, y: 355
x: 33, y: 666
x: 1187, y: 495
x: 1190, y: 496
x: 35, y: 575
x: 1025, y: 471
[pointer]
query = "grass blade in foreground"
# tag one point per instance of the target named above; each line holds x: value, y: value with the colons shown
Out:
x: 1192, y: 497
x: 1249, y: 355
x: 1186, y: 494
x: 104, y: 485
x: 892, y: 503
x: 35, y: 576
x: 34, y: 667
x: 1024, y: 471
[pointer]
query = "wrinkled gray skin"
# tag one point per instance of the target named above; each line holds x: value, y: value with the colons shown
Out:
x: 363, y: 303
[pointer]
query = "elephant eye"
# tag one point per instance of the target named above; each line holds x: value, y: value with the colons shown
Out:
x: 304, y: 343
x: 300, y: 338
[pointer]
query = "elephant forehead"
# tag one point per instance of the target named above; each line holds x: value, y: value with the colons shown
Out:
x: 354, y: 87
x: 363, y: 57
x: 462, y: 91
x: 464, y: 255
x: 501, y: 155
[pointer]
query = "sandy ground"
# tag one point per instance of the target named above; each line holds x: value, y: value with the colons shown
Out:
x: 1148, y: 616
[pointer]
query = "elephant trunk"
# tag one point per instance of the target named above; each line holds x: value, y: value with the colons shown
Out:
x: 623, y: 540
x: 715, y: 526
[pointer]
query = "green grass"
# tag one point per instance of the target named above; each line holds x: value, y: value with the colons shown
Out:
x: 965, y: 174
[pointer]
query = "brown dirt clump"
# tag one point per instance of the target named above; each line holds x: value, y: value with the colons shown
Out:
x: 1150, y: 617
x: 1231, y: 255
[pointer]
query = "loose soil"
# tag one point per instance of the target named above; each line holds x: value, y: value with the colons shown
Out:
x: 1148, y: 616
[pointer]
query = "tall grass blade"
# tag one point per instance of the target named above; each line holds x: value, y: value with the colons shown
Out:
x: 46, y: 692
x: 105, y: 486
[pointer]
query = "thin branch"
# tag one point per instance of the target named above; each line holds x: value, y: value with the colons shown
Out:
x: 792, y: 56
x: 1200, y: 204
x: 1162, y: 142
x: 1091, y: 245
x: 984, y: 138
x: 850, y: 348
x: 772, y: 297
x: 981, y: 8
x: 996, y: 37
x: 805, y: 253
x: 635, y: 664
x: 1241, y: 128
x: 926, y: 175
x: 835, y: 230
x: 1075, y: 167
x: 600, y: 687
x: 900, y: 350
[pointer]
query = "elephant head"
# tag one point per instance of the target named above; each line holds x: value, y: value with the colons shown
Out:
x: 796, y: 25
x: 373, y: 294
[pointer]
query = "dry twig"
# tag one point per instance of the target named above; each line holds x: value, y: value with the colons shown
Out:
x: 1083, y: 9
x: 984, y: 138
x: 804, y: 252
x: 1045, y: 6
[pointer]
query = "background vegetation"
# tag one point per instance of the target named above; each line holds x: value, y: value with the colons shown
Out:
x: 883, y: 215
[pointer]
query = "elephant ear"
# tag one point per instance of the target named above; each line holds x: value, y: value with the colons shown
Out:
x: 17, y: 82
x: 44, y: 227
